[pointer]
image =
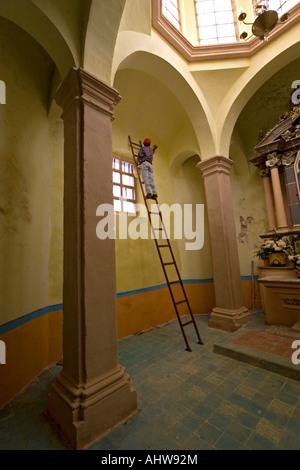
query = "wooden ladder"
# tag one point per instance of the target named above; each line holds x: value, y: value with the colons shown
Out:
x: 163, y: 247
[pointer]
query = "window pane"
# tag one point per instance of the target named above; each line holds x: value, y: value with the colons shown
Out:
x: 117, y: 205
x: 208, y: 32
x: 281, y: 5
x: 208, y: 42
x: 128, y: 193
x: 225, y: 30
x: 227, y: 40
x: 215, y: 21
x: 224, y: 17
x: 207, y: 19
x: 204, y: 7
x: 127, y: 167
x: 171, y: 11
x: 116, y: 164
x: 222, y: 5
x: 127, y: 180
x: 116, y: 177
x: 129, y: 207
x: 117, y: 190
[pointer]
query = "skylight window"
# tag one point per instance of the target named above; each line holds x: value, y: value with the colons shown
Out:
x: 170, y: 10
x: 215, y: 22
x: 282, y: 6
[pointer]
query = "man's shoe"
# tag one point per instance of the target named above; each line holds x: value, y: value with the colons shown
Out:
x: 154, y: 196
x: 149, y: 196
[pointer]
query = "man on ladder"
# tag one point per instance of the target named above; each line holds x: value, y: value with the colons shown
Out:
x: 145, y: 159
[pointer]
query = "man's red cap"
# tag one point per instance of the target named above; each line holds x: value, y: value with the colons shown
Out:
x: 147, y: 141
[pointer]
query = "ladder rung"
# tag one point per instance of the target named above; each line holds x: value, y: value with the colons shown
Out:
x: 168, y: 264
x: 157, y: 228
x: 174, y: 282
x: 154, y: 213
x: 187, y: 323
x: 180, y: 302
x: 163, y: 246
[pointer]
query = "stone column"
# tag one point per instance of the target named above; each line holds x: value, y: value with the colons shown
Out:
x: 272, y: 162
x: 93, y: 392
x: 278, y: 200
x: 269, y: 198
x: 230, y: 313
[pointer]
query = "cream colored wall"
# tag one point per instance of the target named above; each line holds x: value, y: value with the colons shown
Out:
x: 250, y: 219
x: 56, y: 206
x: 25, y: 159
x: 189, y: 189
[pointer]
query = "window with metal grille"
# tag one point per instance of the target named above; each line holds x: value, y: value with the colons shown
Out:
x: 281, y: 6
x: 124, y: 192
x: 215, y: 22
x: 170, y: 10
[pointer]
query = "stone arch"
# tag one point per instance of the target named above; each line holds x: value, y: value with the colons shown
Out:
x: 247, y: 86
x: 101, y: 36
x: 181, y: 86
x: 181, y: 158
x: 35, y: 22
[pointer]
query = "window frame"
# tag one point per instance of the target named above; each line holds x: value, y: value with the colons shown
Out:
x: 195, y: 53
x: 121, y: 185
x: 234, y: 23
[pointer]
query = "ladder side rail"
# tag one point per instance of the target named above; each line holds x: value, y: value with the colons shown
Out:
x: 172, y: 297
x: 162, y: 264
x: 180, y: 279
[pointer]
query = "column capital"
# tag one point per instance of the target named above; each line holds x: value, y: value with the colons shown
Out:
x: 265, y: 172
x: 273, y: 160
x: 288, y: 158
x: 81, y: 85
x: 215, y: 164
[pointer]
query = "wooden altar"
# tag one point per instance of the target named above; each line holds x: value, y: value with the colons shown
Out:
x: 278, y: 160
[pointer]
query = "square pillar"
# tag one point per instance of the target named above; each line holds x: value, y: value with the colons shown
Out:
x: 230, y: 313
x: 93, y: 392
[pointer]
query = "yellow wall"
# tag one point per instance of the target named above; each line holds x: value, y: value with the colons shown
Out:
x: 25, y: 173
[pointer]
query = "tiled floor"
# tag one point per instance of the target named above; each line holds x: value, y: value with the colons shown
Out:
x: 195, y: 400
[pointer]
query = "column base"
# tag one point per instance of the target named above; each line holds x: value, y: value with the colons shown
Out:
x: 229, y: 320
x: 81, y: 415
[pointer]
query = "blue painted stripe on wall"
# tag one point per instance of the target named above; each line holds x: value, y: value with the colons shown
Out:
x: 161, y: 286
x: 248, y: 278
x: 26, y: 318
x: 53, y: 308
